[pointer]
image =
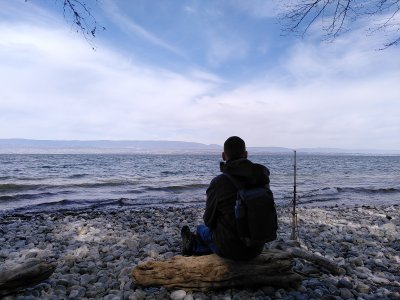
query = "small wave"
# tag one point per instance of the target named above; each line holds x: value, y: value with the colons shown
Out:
x: 58, y: 203
x: 319, y: 200
x: 334, y: 194
x: 332, y: 191
x: 7, y: 198
x: 67, y: 204
x: 118, y: 202
x: 75, y: 176
x: 129, y: 191
x: 28, y: 178
x: 52, y: 206
x: 326, y: 191
x: 170, y: 173
x: 173, y: 188
x: 98, y: 184
x: 369, y: 190
x: 33, y: 196
x: 12, y: 187
x: 9, y: 187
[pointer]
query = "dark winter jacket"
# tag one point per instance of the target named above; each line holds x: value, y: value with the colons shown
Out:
x: 219, y: 215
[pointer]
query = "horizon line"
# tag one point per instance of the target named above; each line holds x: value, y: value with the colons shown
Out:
x: 317, y: 149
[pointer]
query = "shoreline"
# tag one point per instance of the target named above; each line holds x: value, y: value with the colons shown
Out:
x: 95, y: 251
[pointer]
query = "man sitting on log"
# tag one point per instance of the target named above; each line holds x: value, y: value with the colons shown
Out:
x: 221, y: 233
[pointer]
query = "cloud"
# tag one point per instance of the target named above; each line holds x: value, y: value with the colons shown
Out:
x: 27, y: 12
x: 322, y: 96
x: 126, y: 24
x: 223, y: 49
x: 53, y: 91
x: 55, y: 87
x: 256, y: 8
x: 339, y: 95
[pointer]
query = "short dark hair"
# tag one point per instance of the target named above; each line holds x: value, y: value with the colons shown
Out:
x: 234, y: 147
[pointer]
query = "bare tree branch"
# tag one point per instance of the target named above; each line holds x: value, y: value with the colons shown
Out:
x: 79, y: 14
x: 337, y: 16
x: 82, y: 18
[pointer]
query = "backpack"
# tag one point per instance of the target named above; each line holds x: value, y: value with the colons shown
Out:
x: 255, y: 214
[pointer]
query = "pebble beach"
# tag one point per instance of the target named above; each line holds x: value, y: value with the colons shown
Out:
x: 95, y: 250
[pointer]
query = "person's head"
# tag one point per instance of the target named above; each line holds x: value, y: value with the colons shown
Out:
x: 234, y: 147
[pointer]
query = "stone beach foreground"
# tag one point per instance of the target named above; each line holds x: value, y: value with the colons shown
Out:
x: 95, y: 251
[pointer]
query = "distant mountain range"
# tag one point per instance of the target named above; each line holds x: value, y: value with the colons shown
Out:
x: 101, y: 146
x: 323, y: 151
x: 27, y: 146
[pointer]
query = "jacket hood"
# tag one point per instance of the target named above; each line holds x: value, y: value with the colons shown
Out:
x: 246, y: 171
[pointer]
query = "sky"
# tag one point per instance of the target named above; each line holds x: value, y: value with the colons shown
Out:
x: 197, y: 71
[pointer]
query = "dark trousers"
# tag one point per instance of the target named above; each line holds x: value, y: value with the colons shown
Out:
x: 205, y: 244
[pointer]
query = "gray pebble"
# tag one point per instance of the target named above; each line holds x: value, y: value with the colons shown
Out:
x: 74, y: 294
x: 86, y: 279
x: 178, y: 295
x: 31, y: 255
x: 362, y: 288
x: 90, y: 255
x: 138, y: 295
x: 168, y: 255
x: 346, y: 293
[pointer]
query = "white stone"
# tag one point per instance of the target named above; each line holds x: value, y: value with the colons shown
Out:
x: 379, y: 280
x: 362, y: 288
x: 81, y: 251
x: 178, y: 295
x: 132, y: 244
x: 74, y: 294
x: 382, y: 291
x: 168, y: 255
x: 190, y: 297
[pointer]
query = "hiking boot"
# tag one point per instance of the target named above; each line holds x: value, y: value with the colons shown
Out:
x: 187, y: 241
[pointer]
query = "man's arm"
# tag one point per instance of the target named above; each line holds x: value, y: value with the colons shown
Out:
x: 209, y: 216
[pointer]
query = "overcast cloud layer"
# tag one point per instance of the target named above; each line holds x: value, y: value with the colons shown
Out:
x: 214, y: 77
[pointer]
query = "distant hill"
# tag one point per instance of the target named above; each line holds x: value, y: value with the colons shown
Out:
x: 269, y: 150
x: 347, y: 151
x: 326, y: 151
x: 101, y: 146
x: 125, y: 146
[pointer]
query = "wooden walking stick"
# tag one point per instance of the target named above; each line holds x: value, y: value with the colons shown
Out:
x: 294, y: 215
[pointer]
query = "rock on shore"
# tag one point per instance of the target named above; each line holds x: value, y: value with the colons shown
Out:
x: 95, y: 252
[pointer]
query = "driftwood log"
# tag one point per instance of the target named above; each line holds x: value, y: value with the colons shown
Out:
x: 293, y: 247
x: 24, y: 275
x: 271, y: 268
x: 319, y: 260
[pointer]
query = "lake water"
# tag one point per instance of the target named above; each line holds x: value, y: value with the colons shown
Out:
x: 53, y: 182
